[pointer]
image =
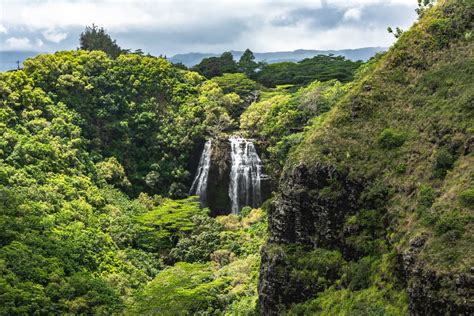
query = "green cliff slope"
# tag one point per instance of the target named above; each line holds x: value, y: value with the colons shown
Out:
x: 375, y: 207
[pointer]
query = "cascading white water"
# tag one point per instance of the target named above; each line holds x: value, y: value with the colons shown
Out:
x: 245, y: 175
x: 199, y: 186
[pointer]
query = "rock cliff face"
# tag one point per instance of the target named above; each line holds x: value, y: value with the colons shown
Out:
x: 309, y: 212
x: 432, y: 292
x: 218, y: 199
x: 218, y: 182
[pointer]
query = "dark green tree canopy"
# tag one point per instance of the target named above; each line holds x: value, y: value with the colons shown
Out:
x: 217, y: 66
x: 321, y: 67
x: 247, y: 63
x: 96, y: 38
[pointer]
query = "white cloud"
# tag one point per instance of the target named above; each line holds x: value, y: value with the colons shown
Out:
x: 3, y: 29
x: 39, y: 42
x: 19, y: 43
x: 54, y: 36
x: 179, y: 26
x: 352, y: 14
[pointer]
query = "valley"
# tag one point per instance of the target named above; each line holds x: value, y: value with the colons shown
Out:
x: 133, y: 185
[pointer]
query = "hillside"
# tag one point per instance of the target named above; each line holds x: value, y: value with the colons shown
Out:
x: 374, y: 208
x: 365, y: 53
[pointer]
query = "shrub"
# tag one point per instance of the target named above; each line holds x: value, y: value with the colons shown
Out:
x: 451, y: 221
x: 443, y: 31
x: 443, y: 162
x: 390, y: 138
x: 316, y: 269
x: 426, y: 196
x: 466, y: 198
x: 358, y: 274
x: 201, y: 243
x: 245, y: 211
x: 401, y: 168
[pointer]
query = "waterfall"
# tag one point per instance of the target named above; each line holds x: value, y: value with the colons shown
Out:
x: 199, y: 186
x: 245, y: 175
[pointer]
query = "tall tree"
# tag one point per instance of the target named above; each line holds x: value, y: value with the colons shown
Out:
x: 247, y: 63
x: 216, y: 66
x: 95, y: 38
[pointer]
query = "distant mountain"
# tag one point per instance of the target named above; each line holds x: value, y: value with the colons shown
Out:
x: 8, y: 59
x: 191, y: 59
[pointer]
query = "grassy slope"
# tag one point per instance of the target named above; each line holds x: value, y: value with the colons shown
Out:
x: 422, y: 89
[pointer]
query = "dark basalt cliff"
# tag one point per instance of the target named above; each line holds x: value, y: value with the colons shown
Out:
x: 309, y: 212
x: 435, y: 293
x: 218, y: 182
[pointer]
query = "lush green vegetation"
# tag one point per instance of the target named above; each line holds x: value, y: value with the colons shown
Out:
x: 151, y: 127
x: 98, y: 146
x: 80, y: 131
x: 72, y: 241
x: 217, y: 66
x: 320, y: 68
x: 95, y: 38
x: 402, y: 129
x: 279, y: 118
x: 216, y: 272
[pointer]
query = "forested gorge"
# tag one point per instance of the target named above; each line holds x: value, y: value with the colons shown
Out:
x: 92, y: 150
x: 370, y: 165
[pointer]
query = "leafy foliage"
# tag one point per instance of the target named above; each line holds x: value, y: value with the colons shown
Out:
x: 162, y: 226
x: 390, y: 138
x: 217, y: 66
x: 95, y: 38
x: 247, y: 63
x: 321, y: 68
x: 279, y: 117
x: 467, y: 198
x: 56, y: 253
x: 182, y: 289
x: 140, y: 110
x: 220, y: 273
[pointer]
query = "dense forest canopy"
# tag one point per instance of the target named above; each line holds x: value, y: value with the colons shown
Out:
x: 319, y: 67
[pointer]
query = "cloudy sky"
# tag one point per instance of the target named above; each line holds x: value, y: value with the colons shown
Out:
x: 170, y: 27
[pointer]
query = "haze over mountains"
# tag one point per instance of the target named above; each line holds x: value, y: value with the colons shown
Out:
x: 8, y: 59
x: 191, y: 59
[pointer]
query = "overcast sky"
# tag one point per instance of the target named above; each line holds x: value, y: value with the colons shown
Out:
x: 170, y: 27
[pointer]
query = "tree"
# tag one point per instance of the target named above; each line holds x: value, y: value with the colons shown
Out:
x: 164, y: 225
x: 247, y: 63
x: 241, y: 85
x: 95, y: 38
x: 321, y: 67
x: 397, y: 33
x: 216, y: 66
x: 424, y: 5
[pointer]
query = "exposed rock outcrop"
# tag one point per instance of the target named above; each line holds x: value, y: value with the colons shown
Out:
x: 310, y: 212
x: 218, y: 182
x: 435, y: 293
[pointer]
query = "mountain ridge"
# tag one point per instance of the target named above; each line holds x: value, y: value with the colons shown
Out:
x: 363, y: 53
